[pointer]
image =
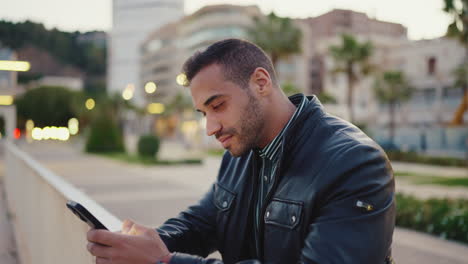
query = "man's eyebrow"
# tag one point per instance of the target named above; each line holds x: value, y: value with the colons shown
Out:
x: 211, y: 99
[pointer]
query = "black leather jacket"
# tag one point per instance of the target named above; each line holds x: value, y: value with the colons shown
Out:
x: 332, y: 202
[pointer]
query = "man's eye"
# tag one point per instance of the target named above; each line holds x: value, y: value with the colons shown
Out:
x: 218, y: 106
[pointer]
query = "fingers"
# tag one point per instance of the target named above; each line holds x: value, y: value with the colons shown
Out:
x: 104, y: 237
x: 137, y: 230
x: 99, y: 250
x: 126, y: 226
x: 131, y: 228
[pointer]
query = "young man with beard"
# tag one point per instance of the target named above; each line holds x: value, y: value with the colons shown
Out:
x: 296, y: 184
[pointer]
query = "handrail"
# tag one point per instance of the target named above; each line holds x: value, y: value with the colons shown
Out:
x: 45, y: 230
x: 68, y: 190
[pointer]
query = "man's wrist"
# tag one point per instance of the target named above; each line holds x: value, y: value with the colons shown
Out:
x: 165, y: 260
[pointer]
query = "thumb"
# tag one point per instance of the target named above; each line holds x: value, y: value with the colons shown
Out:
x: 137, y: 230
x: 127, y: 226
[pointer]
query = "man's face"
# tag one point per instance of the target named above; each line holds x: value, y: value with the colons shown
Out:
x: 233, y: 114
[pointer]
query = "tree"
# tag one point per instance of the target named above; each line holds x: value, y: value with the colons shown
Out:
x: 461, y: 80
x: 392, y: 88
x: 277, y: 36
x: 458, y: 29
x: 352, y: 58
x: 65, y: 46
x: 326, y: 98
x: 46, y: 106
x: 290, y: 89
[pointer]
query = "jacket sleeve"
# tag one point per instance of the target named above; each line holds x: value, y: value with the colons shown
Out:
x: 191, y: 236
x: 356, y: 218
x: 194, y: 230
x: 181, y: 258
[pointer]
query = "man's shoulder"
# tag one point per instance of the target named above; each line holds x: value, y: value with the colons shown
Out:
x: 332, y: 140
x: 332, y: 131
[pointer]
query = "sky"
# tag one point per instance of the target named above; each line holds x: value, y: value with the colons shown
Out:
x: 423, y: 18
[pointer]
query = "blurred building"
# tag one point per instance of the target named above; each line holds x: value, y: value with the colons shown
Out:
x: 132, y: 21
x: 72, y: 83
x: 325, y: 30
x: 8, y: 90
x: 166, y: 49
x: 47, y: 70
x: 7, y: 78
x: 429, y: 65
x: 213, y: 23
x: 161, y: 60
x: 423, y: 121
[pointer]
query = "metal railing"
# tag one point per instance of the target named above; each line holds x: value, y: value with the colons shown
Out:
x: 45, y: 230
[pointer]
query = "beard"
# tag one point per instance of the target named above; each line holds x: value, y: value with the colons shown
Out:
x: 250, y: 125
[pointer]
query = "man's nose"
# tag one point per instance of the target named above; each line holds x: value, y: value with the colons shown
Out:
x: 212, y: 126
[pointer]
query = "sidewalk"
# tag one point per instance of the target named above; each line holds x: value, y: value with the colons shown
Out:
x: 152, y: 194
x: 430, y: 169
x: 425, y: 191
x: 7, y: 244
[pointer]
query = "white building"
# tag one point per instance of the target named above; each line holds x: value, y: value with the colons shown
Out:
x: 429, y: 65
x: 423, y: 121
x: 132, y: 21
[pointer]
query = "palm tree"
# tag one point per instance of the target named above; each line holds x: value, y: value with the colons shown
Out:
x: 352, y: 58
x: 277, y: 36
x: 391, y: 88
x: 458, y: 9
x: 461, y: 80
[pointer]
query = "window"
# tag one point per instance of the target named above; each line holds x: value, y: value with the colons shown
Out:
x: 431, y: 66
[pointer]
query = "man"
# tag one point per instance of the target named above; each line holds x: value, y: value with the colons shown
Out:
x: 296, y: 185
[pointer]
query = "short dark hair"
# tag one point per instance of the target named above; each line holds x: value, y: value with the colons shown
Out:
x: 239, y: 58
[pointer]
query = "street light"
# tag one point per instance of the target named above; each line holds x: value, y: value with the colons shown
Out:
x: 90, y: 103
x: 7, y: 65
x: 127, y: 93
x: 181, y: 79
x: 73, y: 126
x: 150, y: 87
x: 155, y: 108
x: 6, y: 100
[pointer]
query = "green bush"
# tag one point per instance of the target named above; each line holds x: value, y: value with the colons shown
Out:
x: 46, y: 106
x: 326, y: 98
x: 397, y: 155
x: 148, y: 146
x: 104, y: 136
x: 443, y: 217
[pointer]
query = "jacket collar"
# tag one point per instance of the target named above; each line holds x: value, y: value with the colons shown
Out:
x: 304, y: 123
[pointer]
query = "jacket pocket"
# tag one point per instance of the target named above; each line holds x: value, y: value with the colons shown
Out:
x: 282, y: 239
x: 283, y: 213
x: 223, y: 198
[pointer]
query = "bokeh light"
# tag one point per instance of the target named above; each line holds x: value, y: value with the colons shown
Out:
x: 150, y: 87
x: 155, y: 108
x: 90, y: 103
x: 73, y: 126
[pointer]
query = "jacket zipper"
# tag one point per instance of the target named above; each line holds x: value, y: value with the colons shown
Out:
x: 254, y: 192
x: 259, y: 242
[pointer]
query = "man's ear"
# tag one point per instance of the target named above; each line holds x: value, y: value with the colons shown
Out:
x: 261, y: 81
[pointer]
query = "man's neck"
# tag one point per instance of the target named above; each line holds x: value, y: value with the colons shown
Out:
x: 276, y: 119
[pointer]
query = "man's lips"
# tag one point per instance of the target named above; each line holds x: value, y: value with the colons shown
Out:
x: 224, y: 139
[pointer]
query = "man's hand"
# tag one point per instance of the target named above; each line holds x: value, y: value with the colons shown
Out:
x: 135, y: 244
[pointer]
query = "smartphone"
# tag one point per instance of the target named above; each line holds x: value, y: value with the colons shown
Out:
x: 85, y: 215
